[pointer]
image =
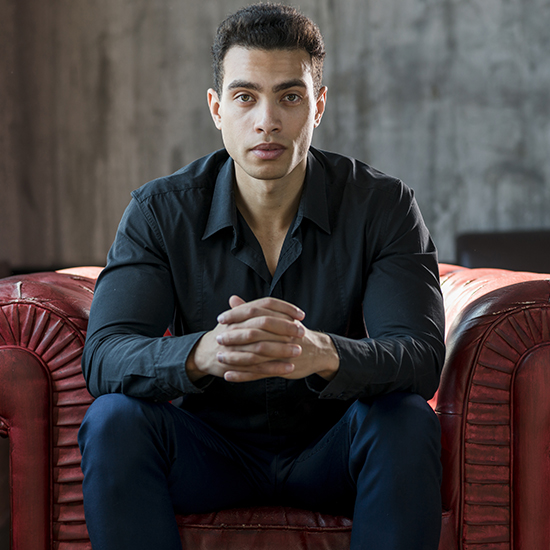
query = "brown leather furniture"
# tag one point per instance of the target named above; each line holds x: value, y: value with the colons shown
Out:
x: 493, y: 404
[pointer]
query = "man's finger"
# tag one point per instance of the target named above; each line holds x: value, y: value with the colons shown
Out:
x: 260, y: 329
x: 267, y: 370
x: 259, y: 353
x: 258, y: 308
x: 236, y: 301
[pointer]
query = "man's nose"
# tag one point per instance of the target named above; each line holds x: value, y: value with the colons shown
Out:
x: 268, y: 119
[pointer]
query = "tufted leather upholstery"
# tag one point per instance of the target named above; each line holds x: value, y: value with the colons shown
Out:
x: 493, y: 405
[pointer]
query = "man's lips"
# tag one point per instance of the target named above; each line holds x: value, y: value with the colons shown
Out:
x: 268, y: 151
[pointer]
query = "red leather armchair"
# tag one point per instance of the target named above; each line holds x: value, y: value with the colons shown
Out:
x: 493, y: 405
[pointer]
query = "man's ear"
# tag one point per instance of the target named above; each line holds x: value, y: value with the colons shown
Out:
x: 320, y: 105
x: 214, y: 106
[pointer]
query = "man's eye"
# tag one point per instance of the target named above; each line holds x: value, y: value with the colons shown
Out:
x: 293, y: 98
x: 244, y: 98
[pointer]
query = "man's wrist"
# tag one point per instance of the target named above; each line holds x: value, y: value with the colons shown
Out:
x: 330, y: 362
x: 193, y: 371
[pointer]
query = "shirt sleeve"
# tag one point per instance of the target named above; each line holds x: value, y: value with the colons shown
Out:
x: 403, y: 311
x: 134, y: 304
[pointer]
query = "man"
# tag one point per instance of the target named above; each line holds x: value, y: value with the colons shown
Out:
x: 270, y: 261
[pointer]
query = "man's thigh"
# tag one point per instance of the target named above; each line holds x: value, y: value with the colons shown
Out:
x: 163, y: 450
x: 385, y: 431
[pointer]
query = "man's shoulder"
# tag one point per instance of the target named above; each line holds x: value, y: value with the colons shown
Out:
x: 199, y: 174
x: 342, y: 170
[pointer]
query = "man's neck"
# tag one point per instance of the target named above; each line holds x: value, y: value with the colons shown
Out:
x: 269, y: 205
x: 269, y: 208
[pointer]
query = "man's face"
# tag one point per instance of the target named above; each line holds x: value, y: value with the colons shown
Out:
x: 267, y: 111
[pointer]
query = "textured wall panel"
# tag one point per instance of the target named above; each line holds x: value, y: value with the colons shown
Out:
x: 99, y: 96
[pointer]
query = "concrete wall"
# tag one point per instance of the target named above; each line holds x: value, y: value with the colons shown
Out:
x: 99, y: 96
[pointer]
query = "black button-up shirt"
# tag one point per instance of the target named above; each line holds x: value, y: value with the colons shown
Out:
x: 357, y: 259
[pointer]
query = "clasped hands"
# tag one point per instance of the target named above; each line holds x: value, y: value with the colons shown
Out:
x: 261, y: 339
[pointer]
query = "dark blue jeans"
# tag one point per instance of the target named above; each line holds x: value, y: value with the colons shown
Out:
x: 144, y: 461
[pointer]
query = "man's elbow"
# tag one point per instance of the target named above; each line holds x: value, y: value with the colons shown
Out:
x: 432, y: 374
x: 90, y: 370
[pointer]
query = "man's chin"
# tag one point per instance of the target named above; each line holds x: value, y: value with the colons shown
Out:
x: 267, y: 173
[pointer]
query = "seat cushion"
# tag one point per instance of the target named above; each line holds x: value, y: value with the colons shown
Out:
x: 265, y: 528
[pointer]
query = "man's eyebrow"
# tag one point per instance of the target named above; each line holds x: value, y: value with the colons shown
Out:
x: 244, y: 84
x: 294, y: 83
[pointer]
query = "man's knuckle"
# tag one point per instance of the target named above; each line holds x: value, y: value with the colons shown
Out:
x: 263, y: 322
x: 261, y: 347
x: 257, y: 347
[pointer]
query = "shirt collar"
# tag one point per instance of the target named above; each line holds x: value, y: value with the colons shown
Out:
x: 222, y: 209
x: 313, y: 204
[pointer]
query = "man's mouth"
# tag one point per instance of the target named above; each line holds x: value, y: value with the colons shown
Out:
x: 268, y: 151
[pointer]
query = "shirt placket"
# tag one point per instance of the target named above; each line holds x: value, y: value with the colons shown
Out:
x: 248, y: 251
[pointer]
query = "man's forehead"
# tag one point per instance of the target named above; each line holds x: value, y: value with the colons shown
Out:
x: 255, y: 64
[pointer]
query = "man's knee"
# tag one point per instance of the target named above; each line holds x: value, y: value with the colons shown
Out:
x: 400, y: 425
x: 399, y: 413
x: 108, y: 413
x: 115, y: 422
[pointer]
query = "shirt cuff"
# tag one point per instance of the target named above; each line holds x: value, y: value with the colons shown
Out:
x: 316, y: 383
x: 353, y: 374
x: 171, y: 372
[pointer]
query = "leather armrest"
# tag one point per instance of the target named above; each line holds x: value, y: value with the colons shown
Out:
x: 497, y: 334
x: 43, y: 398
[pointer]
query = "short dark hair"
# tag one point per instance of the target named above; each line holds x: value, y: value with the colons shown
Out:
x: 268, y: 26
